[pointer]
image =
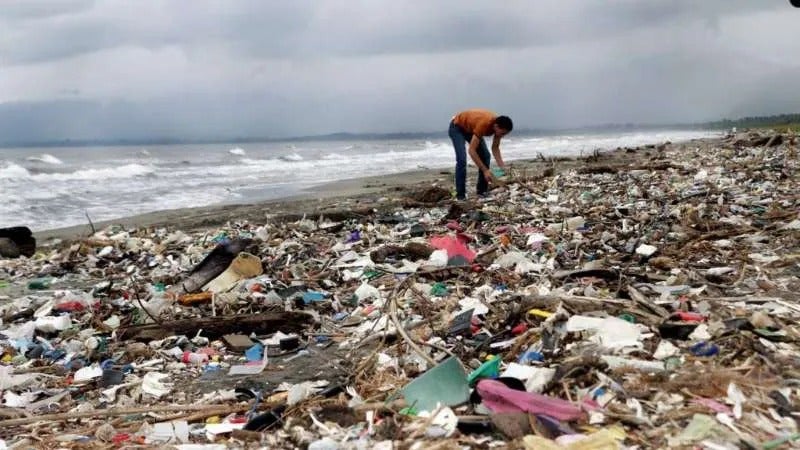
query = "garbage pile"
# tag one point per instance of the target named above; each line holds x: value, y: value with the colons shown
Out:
x: 647, y: 301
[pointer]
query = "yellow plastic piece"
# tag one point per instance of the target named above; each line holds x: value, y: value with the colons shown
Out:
x: 540, y: 313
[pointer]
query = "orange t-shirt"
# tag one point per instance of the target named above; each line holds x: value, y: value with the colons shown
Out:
x: 476, y: 121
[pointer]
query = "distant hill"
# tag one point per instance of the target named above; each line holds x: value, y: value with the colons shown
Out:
x: 777, y: 121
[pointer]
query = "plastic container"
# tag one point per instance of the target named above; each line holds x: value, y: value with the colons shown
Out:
x: 111, y: 377
x: 688, y: 316
x: 40, y: 283
x: 50, y: 324
x: 704, y: 349
x: 69, y: 306
x: 530, y: 356
x: 194, y: 358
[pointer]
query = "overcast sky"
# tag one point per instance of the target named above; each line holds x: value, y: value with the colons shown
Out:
x: 85, y: 69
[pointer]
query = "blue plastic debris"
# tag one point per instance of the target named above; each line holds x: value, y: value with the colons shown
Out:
x: 530, y: 356
x: 311, y: 296
x: 704, y: 349
x: 255, y: 353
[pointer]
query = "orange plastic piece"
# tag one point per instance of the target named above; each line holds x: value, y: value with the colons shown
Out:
x: 194, y: 299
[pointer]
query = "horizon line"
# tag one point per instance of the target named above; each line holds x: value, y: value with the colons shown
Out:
x: 70, y: 142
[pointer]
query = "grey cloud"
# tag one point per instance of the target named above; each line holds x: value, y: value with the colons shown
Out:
x: 312, y: 29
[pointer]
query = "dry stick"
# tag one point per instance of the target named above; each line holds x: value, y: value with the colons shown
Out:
x: 117, y: 424
x: 426, y: 424
x: 100, y: 413
x: 402, y: 332
x: 362, y: 367
x: 212, y: 411
x: 90, y: 222
x: 428, y: 321
x: 136, y: 294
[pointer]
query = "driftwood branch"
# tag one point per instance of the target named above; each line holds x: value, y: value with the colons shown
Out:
x: 216, y: 327
x: 113, y: 412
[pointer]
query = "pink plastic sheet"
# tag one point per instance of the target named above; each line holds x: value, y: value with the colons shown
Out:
x: 501, y: 399
x: 453, y: 246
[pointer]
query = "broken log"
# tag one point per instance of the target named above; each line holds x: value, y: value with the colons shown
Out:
x: 17, y: 241
x: 216, y: 327
x: 606, y: 274
x: 8, y: 249
x: 412, y: 250
x: 591, y: 170
x: 767, y: 141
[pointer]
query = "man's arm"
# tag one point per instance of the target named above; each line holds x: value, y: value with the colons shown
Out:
x: 496, y: 152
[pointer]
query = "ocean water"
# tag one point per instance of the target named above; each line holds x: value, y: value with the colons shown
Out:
x: 47, y: 188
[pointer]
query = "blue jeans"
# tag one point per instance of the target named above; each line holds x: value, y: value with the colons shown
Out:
x: 461, y: 140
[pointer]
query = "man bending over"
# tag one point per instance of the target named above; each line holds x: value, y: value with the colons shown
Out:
x: 471, y: 126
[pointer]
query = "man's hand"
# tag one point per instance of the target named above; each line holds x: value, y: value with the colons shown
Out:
x: 490, y: 178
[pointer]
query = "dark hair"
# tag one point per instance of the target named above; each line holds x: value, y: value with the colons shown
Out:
x: 504, y: 122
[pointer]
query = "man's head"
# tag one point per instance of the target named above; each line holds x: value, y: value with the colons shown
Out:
x: 503, y: 125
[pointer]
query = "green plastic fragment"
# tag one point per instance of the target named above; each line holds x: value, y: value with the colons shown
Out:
x: 444, y: 384
x: 409, y: 411
x: 775, y: 443
x: 628, y: 317
x: 489, y: 369
x: 672, y: 363
x: 39, y: 283
x: 372, y: 274
x: 439, y: 289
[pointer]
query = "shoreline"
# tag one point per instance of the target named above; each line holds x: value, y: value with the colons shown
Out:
x: 333, y: 197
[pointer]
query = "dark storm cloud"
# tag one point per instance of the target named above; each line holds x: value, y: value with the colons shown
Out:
x: 344, y: 28
x: 170, y: 68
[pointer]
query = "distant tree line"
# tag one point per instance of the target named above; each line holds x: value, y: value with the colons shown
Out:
x: 757, y: 121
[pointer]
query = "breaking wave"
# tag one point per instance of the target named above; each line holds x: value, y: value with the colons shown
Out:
x: 238, y: 151
x: 45, y: 158
x: 330, y: 156
x: 13, y: 171
x: 255, y: 162
x: 291, y: 157
x: 440, y: 146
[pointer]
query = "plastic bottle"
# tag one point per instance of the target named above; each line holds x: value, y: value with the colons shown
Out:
x: 688, y: 316
x: 40, y: 283
x: 530, y: 356
x: 195, y: 358
x: 49, y: 324
x: 704, y: 349
x: 69, y: 306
